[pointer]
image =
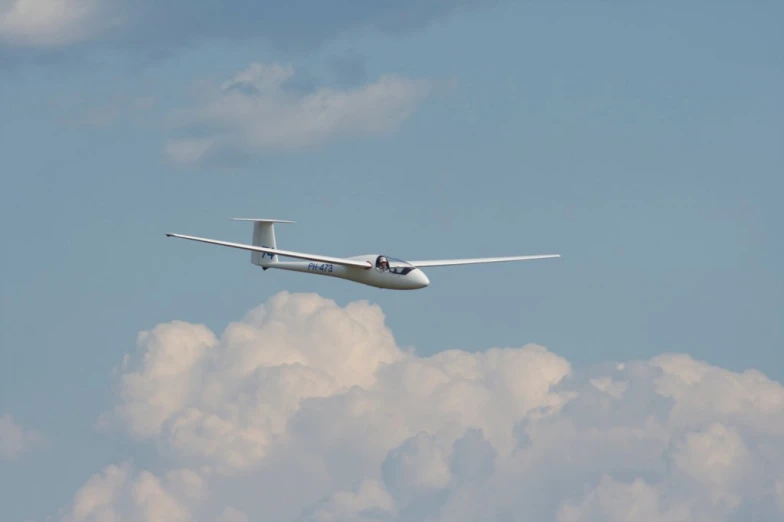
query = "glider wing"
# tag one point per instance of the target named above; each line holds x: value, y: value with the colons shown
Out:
x: 477, y: 260
x: 275, y: 251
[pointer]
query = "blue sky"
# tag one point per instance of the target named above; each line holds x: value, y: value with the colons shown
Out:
x: 641, y: 142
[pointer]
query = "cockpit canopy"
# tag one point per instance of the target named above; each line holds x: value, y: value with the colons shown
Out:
x: 393, y: 265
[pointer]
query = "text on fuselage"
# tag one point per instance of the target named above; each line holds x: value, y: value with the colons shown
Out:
x: 322, y: 267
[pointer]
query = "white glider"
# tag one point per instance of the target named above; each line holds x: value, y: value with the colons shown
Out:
x: 375, y: 270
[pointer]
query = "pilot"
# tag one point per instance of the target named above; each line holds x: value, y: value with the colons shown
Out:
x: 382, y: 263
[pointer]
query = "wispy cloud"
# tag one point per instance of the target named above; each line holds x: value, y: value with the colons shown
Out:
x: 163, y: 24
x: 16, y: 440
x: 52, y: 23
x: 315, y: 403
x: 255, y: 112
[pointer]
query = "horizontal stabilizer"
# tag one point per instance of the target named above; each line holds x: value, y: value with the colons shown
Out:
x: 477, y: 260
x: 260, y: 220
x: 275, y: 251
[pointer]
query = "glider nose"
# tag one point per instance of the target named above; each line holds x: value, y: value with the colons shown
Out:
x: 420, y: 278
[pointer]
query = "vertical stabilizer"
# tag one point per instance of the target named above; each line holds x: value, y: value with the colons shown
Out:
x: 263, y: 236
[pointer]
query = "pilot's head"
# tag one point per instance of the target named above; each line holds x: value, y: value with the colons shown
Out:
x: 382, y: 263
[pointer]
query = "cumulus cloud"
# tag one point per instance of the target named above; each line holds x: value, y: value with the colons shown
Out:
x: 164, y: 24
x: 256, y: 112
x: 16, y: 440
x: 304, y: 410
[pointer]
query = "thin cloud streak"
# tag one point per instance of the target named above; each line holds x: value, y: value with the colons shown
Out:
x: 255, y: 113
x: 162, y: 25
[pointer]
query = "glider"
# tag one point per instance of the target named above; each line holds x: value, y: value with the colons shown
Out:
x: 376, y: 270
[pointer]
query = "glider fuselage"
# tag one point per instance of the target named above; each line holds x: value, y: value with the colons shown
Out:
x: 399, y: 275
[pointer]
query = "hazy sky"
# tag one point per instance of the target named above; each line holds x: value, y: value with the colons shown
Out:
x: 641, y: 141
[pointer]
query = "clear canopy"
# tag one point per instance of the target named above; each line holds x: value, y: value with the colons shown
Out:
x: 393, y: 265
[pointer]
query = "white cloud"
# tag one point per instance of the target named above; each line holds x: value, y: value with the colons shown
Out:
x: 255, y: 112
x: 121, y: 493
x: 315, y: 403
x: 16, y: 440
x: 50, y: 23
x: 613, y: 501
x: 712, y: 455
x: 419, y: 465
x: 704, y: 393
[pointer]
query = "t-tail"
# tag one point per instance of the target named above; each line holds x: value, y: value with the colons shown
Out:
x: 264, y: 236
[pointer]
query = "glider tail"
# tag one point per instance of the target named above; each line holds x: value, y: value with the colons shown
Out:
x: 263, y: 236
